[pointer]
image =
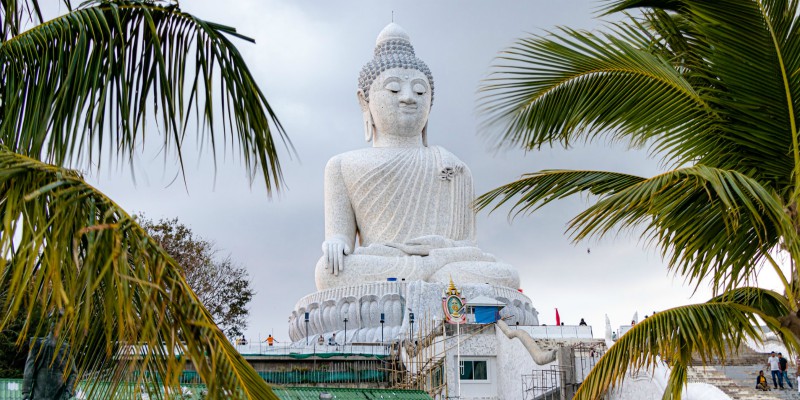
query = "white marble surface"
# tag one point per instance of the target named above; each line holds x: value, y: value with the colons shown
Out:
x: 769, y: 342
x: 363, y: 304
x: 515, y: 361
x: 649, y: 385
x: 473, y: 347
x: 408, y: 204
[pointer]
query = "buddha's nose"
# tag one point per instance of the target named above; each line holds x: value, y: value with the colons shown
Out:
x: 407, y: 98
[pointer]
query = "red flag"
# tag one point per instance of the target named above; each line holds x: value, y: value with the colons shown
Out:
x: 558, y: 318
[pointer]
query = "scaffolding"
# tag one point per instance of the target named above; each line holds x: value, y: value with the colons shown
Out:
x: 421, y: 362
x: 558, y: 382
x: 586, y: 356
x: 543, y: 384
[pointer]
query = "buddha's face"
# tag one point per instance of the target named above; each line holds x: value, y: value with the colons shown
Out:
x: 399, y: 101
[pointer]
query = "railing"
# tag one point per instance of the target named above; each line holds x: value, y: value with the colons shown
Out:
x: 556, y: 331
x: 11, y: 389
x: 543, y: 384
x: 586, y: 356
x: 358, y: 373
x: 623, y: 329
x: 262, y: 349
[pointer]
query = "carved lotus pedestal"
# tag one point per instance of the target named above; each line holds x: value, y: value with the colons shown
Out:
x: 362, y: 306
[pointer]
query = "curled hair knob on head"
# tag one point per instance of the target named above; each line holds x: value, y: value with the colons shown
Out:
x: 393, y: 49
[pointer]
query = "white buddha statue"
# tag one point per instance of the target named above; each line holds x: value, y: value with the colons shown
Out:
x: 409, y: 204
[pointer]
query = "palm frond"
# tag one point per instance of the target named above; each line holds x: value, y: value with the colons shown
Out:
x: 698, y: 90
x: 128, y: 314
x: 754, y: 93
x: 15, y: 13
x: 705, y: 331
x: 676, y: 40
x: 80, y: 85
x: 713, y: 87
x: 575, y: 85
x: 769, y: 303
x: 770, y: 306
x: 615, y: 6
x: 538, y: 189
x: 709, y: 223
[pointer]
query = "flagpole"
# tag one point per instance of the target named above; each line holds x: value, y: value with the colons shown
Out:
x: 458, y: 354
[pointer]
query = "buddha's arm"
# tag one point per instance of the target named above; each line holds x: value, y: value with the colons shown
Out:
x: 340, y: 220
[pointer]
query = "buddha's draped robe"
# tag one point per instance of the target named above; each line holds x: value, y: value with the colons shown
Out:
x: 413, y: 192
x: 397, y: 195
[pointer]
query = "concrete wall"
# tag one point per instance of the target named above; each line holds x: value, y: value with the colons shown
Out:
x: 476, y: 347
x: 480, y: 389
x: 514, y: 361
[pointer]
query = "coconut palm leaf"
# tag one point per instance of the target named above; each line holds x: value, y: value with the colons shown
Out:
x: 84, y: 84
x: 575, y: 85
x: 770, y: 304
x: 706, y: 331
x: 757, y: 97
x: 742, y: 122
x: 728, y: 105
x: 538, y: 189
x: 712, y: 87
x: 624, y: 5
x: 16, y: 13
x: 709, y: 223
x: 128, y: 314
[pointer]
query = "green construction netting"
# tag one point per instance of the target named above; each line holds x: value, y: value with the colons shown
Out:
x: 312, y: 393
x: 294, y: 377
x: 300, y: 377
x: 320, y: 355
x: 10, y: 389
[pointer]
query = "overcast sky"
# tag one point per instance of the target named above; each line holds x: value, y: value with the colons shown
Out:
x: 306, y: 59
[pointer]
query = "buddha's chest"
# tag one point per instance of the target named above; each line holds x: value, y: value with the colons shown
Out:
x: 405, y: 193
x: 401, y: 171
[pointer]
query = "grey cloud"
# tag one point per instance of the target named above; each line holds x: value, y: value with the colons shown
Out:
x: 279, y: 240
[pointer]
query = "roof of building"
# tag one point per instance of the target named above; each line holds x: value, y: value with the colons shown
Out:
x: 483, y: 301
x: 312, y: 393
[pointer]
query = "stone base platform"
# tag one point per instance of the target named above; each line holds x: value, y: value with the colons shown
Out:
x: 362, y: 306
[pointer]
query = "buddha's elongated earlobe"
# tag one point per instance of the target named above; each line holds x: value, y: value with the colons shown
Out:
x: 369, y: 127
x: 369, y: 124
x: 425, y: 134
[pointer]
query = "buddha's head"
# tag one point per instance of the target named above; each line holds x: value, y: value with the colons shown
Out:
x: 395, y: 88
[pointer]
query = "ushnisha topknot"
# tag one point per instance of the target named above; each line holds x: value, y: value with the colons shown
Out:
x: 393, y: 49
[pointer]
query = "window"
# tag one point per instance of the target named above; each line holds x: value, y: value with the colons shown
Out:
x: 473, y: 370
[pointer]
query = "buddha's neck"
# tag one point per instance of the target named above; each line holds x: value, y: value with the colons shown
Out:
x: 396, y: 141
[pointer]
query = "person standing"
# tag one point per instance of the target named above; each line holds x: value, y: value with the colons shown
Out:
x: 49, y: 372
x: 797, y: 373
x: 774, y: 367
x: 783, y: 363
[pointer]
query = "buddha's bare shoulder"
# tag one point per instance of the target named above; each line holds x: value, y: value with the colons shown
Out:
x: 346, y: 157
x: 361, y: 157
